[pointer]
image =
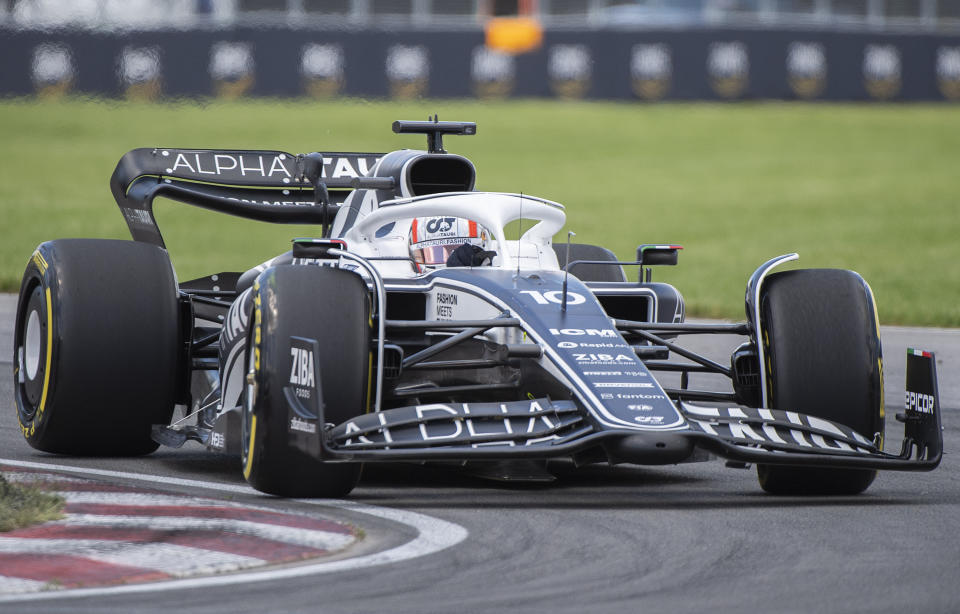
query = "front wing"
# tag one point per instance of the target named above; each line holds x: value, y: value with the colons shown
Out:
x: 543, y: 429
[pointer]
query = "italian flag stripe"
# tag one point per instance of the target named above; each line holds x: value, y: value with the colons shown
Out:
x: 919, y: 353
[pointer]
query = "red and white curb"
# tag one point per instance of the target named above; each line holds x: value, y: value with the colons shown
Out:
x: 114, y: 535
x: 303, y: 540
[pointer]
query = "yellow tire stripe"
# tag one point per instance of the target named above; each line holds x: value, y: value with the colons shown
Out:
x: 40, y: 262
x: 883, y: 411
x: 46, y: 373
x: 876, y: 322
x: 369, y: 367
x: 248, y: 466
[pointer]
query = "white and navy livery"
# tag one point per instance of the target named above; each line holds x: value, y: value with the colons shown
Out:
x: 546, y: 352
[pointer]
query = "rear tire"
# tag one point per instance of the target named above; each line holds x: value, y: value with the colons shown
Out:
x: 825, y: 360
x: 327, y: 310
x: 96, y: 347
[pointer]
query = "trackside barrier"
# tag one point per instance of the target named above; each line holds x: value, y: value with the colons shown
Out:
x: 643, y: 65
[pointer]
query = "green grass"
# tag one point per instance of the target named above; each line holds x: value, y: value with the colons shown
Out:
x: 22, y: 505
x: 872, y: 188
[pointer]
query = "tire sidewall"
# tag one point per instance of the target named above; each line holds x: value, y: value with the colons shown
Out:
x: 32, y: 413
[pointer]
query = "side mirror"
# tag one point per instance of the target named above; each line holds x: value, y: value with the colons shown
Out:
x: 654, y: 255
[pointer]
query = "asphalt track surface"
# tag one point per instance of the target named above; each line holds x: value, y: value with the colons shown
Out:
x: 687, y: 538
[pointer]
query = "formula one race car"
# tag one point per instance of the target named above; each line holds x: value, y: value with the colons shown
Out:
x: 413, y: 329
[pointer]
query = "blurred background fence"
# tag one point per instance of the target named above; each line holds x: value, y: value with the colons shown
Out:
x: 595, y: 49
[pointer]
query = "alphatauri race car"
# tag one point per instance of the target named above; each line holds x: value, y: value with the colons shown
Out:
x: 412, y: 329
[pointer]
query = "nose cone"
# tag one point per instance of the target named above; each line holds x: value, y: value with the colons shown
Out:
x: 650, y: 449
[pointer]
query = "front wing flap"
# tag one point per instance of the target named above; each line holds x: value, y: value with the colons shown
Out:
x: 469, y: 425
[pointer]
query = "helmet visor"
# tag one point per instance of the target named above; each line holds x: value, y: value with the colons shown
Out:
x: 434, y: 254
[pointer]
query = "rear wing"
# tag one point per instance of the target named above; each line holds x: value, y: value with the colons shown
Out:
x: 269, y: 186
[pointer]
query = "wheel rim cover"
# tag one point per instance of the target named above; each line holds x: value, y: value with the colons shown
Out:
x: 32, y: 344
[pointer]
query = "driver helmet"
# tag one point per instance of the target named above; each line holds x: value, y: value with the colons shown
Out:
x: 433, y: 239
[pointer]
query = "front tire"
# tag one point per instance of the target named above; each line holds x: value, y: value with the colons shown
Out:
x: 309, y: 348
x: 95, y: 347
x: 825, y: 360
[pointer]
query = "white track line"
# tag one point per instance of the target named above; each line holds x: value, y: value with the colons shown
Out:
x: 17, y: 585
x: 171, y: 559
x: 139, y: 498
x: 30, y: 476
x: 281, y: 534
x: 433, y: 535
x: 185, y: 501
